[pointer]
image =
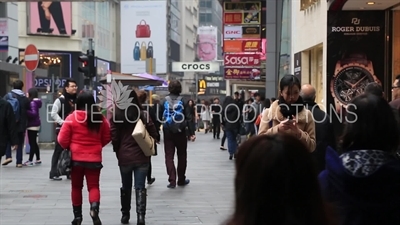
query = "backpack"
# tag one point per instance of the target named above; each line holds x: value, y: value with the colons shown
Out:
x: 13, y: 100
x: 174, y: 118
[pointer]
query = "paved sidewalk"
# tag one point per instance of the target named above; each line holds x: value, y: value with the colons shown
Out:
x: 28, y: 197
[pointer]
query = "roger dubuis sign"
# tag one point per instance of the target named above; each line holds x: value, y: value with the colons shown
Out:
x: 356, y: 24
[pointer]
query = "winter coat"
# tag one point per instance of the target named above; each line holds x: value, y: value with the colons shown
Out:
x: 363, y: 186
x: 84, y: 144
x: 33, y: 113
x: 8, y: 129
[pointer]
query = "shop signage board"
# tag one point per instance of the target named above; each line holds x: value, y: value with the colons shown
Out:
x: 195, y: 67
x: 232, y: 46
x: 245, y: 32
x: 241, y: 73
x: 31, y: 57
x: 242, y: 60
x: 242, y: 13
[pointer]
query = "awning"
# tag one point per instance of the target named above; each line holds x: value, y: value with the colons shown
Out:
x: 132, y: 80
x: 14, y: 68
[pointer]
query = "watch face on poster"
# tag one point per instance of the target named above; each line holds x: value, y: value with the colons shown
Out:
x: 351, y: 82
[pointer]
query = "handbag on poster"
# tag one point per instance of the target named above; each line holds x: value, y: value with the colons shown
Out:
x: 143, y: 30
x: 136, y: 51
x: 143, y: 51
x: 143, y: 138
x: 149, y: 52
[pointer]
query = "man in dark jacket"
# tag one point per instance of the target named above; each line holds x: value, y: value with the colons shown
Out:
x: 21, y: 124
x: 176, y: 138
x: 323, y: 128
x: 8, y: 131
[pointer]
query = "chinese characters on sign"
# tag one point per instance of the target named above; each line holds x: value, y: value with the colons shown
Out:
x: 242, y: 73
x: 252, y: 46
x: 232, y: 46
x: 249, y: 13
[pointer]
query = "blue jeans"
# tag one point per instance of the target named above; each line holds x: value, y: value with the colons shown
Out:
x: 232, y: 144
x: 139, y: 171
x: 21, y: 141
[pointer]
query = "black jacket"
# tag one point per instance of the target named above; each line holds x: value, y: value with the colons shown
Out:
x: 8, y: 129
x: 231, y: 118
x: 188, y: 116
x: 324, y: 134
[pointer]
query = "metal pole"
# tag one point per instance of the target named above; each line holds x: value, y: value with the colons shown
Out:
x: 53, y: 85
x: 91, y: 52
x: 197, y: 86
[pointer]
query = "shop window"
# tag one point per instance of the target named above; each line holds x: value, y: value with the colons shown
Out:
x: 56, y: 64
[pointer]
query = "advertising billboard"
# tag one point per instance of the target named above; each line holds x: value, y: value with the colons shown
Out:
x: 210, y: 67
x: 3, y: 34
x: 231, y: 46
x: 242, y: 60
x: 50, y: 18
x: 242, y: 12
x: 143, y: 36
x: 207, y: 43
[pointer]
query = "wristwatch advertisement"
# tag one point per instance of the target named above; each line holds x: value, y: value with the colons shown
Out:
x: 352, y: 74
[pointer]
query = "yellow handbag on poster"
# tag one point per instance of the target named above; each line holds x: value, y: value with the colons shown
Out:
x: 143, y: 51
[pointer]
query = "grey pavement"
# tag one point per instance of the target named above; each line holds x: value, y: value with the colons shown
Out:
x: 28, y: 197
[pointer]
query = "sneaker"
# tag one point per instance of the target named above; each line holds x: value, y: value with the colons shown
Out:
x: 7, y: 161
x: 28, y: 163
x: 38, y: 162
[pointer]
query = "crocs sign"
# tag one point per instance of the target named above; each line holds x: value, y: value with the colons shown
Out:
x: 195, y: 66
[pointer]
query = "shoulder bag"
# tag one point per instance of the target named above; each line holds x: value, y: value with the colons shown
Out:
x: 143, y: 138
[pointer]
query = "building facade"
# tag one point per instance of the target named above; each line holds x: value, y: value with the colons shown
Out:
x: 210, y: 14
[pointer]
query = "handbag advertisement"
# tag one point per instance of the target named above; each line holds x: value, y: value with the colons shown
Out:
x: 355, y: 57
x: 143, y: 36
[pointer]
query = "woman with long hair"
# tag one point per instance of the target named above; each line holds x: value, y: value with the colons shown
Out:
x: 85, y: 132
x: 231, y: 123
x: 288, y: 114
x: 131, y: 159
x: 276, y: 183
x: 363, y: 180
x: 33, y: 126
x: 193, y: 113
x: 142, y: 96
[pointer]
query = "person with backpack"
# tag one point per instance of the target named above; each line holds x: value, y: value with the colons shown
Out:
x: 8, y: 131
x: 20, y: 105
x: 176, y: 127
x: 62, y: 107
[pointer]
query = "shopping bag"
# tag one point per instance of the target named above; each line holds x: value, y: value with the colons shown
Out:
x: 64, y: 163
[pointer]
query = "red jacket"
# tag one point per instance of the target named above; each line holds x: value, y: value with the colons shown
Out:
x: 85, y: 145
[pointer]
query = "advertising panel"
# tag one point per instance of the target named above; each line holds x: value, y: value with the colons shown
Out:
x: 251, y: 32
x: 356, y: 50
x: 195, y: 67
x: 233, y: 46
x: 143, y: 36
x: 3, y: 35
x: 50, y: 18
x: 297, y: 65
x: 242, y: 12
x: 242, y: 73
x: 242, y: 60
x: 232, y: 32
x: 207, y: 43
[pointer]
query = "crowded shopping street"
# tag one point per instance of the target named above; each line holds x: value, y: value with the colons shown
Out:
x: 28, y: 197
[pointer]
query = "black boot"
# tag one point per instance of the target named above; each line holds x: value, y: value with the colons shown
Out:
x: 94, y: 213
x: 77, y: 215
x: 141, y: 196
x: 126, y: 196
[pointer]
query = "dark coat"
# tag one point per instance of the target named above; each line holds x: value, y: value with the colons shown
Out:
x: 324, y: 133
x: 231, y: 118
x: 24, y: 106
x: 8, y: 129
x: 126, y: 148
x: 363, y: 185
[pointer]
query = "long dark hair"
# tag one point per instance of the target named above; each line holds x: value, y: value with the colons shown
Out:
x: 125, y: 117
x: 33, y: 93
x: 85, y: 101
x: 370, y: 125
x: 276, y: 183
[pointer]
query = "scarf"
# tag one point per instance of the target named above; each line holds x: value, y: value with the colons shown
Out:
x: 291, y: 110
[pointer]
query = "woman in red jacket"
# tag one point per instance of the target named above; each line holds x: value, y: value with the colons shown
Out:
x: 85, y: 132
